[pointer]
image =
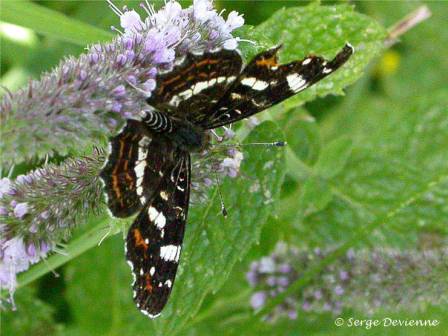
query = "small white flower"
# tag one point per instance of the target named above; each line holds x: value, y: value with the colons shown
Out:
x: 234, y: 20
x: 231, y: 44
x: 131, y: 22
x: 5, y: 185
x: 203, y: 10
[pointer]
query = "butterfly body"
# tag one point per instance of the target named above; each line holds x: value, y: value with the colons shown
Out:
x: 148, y: 169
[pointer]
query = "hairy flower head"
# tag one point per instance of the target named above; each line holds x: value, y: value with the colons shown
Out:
x: 87, y: 98
x: 365, y: 280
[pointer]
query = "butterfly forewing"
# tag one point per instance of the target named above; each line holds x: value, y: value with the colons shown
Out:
x: 134, y: 168
x: 264, y: 83
x: 154, y: 241
x: 196, y: 84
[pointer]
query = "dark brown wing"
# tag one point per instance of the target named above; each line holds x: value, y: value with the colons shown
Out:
x: 155, y: 238
x: 196, y: 84
x: 264, y: 83
x: 134, y: 168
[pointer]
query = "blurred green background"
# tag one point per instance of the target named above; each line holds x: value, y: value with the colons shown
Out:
x: 394, y: 118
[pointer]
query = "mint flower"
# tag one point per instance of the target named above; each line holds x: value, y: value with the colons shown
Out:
x: 40, y: 209
x: 86, y: 98
x: 366, y: 280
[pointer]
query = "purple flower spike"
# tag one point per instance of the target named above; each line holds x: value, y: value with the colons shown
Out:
x: 258, y: 300
x: 20, y: 210
x: 208, y: 182
x: 131, y: 21
x: 94, y: 58
x: 149, y: 85
x: 31, y: 250
x: 338, y: 290
x: 5, y: 186
x: 130, y: 55
x: 119, y: 91
x: 116, y: 107
x: 251, y: 278
x: 306, y: 306
x: 343, y: 275
x: 128, y: 43
x: 121, y: 59
x: 284, y: 268
x: 292, y: 314
x: 132, y: 79
x: 151, y: 73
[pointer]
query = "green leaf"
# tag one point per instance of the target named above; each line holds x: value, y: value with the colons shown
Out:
x: 302, y: 134
x: 31, y: 317
x: 402, y: 153
x: 213, y: 244
x: 316, y: 195
x: 321, y: 30
x: 333, y: 157
x: 52, y: 23
x: 100, y: 295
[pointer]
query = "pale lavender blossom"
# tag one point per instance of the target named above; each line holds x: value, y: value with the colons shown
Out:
x: 17, y: 257
x: 258, y: 300
x: 5, y: 185
x: 230, y: 166
x: 362, y: 280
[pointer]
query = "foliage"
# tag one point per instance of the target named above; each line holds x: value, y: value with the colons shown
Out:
x: 368, y: 169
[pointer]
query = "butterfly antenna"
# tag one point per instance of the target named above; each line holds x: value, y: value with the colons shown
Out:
x: 269, y: 144
x: 223, y: 207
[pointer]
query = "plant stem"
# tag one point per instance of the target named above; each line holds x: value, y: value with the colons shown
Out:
x: 76, y: 247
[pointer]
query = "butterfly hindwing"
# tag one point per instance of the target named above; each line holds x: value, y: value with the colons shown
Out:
x: 133, y: 162
x: 196, y: 83
x: 264, y: 83
x: 154, y: 240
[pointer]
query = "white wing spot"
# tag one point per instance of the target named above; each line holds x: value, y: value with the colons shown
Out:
x: 249, y: 81
x: 152, y: 271
x: 234, y: 95
x: 200, y: 86
x: 164, y: 195
x: 306, y: 61
x: 168, y: 283
x: 260, y: 85
x: 296, y: 82
x: 157, y: 217
x: 170, y: 252
x: 139, y: 191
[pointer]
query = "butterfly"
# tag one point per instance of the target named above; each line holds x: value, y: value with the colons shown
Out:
x: 148, y: 170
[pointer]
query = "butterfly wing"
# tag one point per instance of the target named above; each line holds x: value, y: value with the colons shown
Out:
x: 196, y: 84
x: 264, y: 83
x: 135, y: 160
x: 154, y: 240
